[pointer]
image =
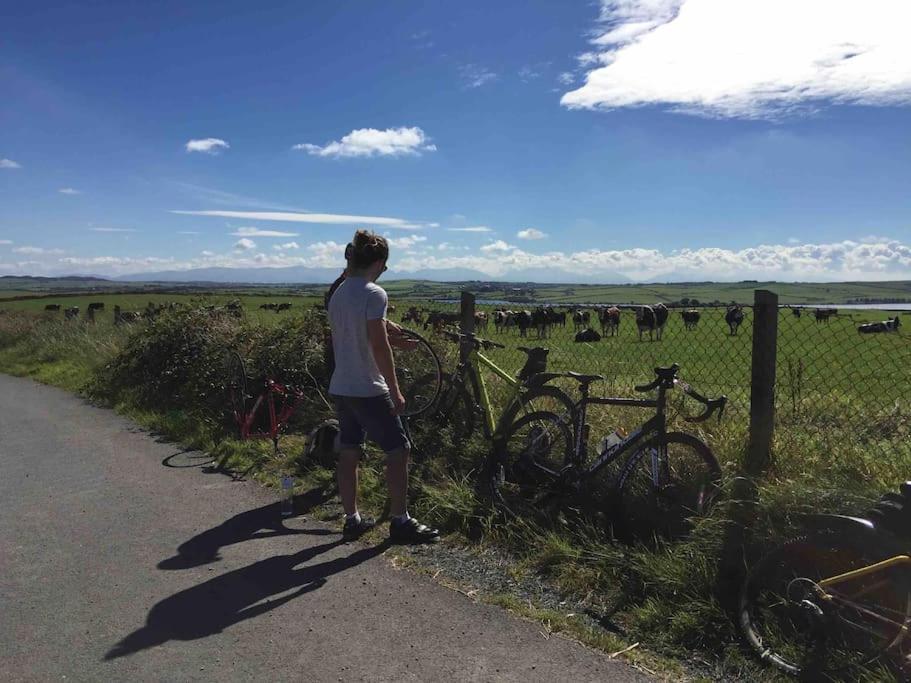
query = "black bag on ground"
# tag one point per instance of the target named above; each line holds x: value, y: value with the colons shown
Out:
x: 321, y: 448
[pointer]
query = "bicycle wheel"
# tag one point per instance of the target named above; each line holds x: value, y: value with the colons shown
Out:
x: 455, y: 408
x: 235, y: 385
x: 546, y: 399
x: 419, y: 375
x: 527, y: 463
x: 786, y: 621
x: 664, y: 484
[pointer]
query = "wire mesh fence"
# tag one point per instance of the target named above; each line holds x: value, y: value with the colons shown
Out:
x: 838, y: 391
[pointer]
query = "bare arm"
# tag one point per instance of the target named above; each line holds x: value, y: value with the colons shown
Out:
x: 382, y: 355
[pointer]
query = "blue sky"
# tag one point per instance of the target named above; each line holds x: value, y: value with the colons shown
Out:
x: 641, y: 139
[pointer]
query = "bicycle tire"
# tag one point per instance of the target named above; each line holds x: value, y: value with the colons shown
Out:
x: 663, y: 504
x: 455, y: 408
x: 419, y: 375
x: 795, y: 637
x: 234, y: 373
x: 545, y: 399
x: 526, y: 463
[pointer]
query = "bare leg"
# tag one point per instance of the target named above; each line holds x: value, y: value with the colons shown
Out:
x: 346, y: 471
x: 397, y: 481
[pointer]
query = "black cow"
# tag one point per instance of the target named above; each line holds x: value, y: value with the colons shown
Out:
x: 823, y: 314
x: 439, y: 319
x: 52, y: 307
x: 652, y: 319
x: 71, y: 313
x: 581, y: 319
x: 690, y: 318
x: 587, y: 335
x: 890, y: 325
x: 523, y: 322
x: 734, y: 317
x: 283, y: 307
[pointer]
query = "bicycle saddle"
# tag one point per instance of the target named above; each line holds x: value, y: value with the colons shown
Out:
x: 584, y: 379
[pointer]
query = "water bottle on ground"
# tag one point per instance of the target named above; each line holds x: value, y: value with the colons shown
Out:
x: 287, y: 495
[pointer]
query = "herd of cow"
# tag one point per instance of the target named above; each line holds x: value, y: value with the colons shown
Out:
x: 542, y: 320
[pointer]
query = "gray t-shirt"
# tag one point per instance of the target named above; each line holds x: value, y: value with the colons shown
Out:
x: 356, y: 301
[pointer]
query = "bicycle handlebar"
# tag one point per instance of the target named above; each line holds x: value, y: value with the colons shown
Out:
x: 668, y: 377
x: 477, y: 341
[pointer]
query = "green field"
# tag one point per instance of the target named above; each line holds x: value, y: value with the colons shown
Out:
x: 704, y: 292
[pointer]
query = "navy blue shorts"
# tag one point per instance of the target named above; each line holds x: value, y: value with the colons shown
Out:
x: 370, y: 417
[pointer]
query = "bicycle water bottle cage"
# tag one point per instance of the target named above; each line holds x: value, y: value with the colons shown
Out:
x: 535, y: 363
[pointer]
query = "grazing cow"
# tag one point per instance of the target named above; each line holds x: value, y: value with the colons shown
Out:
x: 610, y: 320
x: 890, y: 325
x: 71, y: 313
x: 439, y: 319
x: 268, y: 307
x: 581, y: 319
x: 690, y: 318
x: 499, y: 320
x: 734, y: 317
x: 523, y: 322
x: 52, y: 307
x: 560, y: 318
x: 283, y: 307
x: 823, y: 314
x: 90, y: 311
x: 539, y: 321
x: 413, y: 314
x: 480, y: 321
x: 587, y: 335
x: 796, y: 312
x: 652, y: 319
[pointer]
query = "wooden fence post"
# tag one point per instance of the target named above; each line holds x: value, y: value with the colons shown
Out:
x: 467, y: 323
x: 762, y: 384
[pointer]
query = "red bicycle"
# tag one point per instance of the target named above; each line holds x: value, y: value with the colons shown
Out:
x: 267, y: 414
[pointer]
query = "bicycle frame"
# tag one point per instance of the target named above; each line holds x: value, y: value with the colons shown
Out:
x: 292, y: 398
x: 472, y: 368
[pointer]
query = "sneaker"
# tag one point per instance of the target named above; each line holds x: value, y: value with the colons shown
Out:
x: 412, y: 532
x: 354, y: 530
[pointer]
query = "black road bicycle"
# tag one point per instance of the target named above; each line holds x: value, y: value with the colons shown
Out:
x: 666, y: 477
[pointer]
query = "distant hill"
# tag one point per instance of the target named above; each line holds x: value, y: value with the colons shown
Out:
x: 300, y: 274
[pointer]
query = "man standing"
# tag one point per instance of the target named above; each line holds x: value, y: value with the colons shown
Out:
x: 366, y: 392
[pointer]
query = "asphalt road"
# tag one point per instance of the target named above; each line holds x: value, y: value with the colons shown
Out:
x: 116, y: 567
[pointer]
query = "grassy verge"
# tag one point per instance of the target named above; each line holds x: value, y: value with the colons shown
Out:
x: 166, y: 376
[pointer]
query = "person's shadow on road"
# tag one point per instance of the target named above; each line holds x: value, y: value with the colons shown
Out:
x: 262, y: 522
x: 241, y: 594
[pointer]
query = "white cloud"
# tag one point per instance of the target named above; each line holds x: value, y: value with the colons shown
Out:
x: 325, y: 218
x: 9, y: 163
x: 474, y: 228
x: 838, y: 261
x: 245, y: 244
x: 748, y: 59
x: 6, y: 241
x: 405, y: 242
x: 207, y: 145
x: 475, y: 75
x: 369, y: 142
x: 286, y: 246
x: 36, y: 250
x: 498, y: 245
x: 566, y: 78
x: 531, y: 234
x: 206, y: 252
x: 112, y: 229
x: 256, y: 232
x: 68, y: 190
